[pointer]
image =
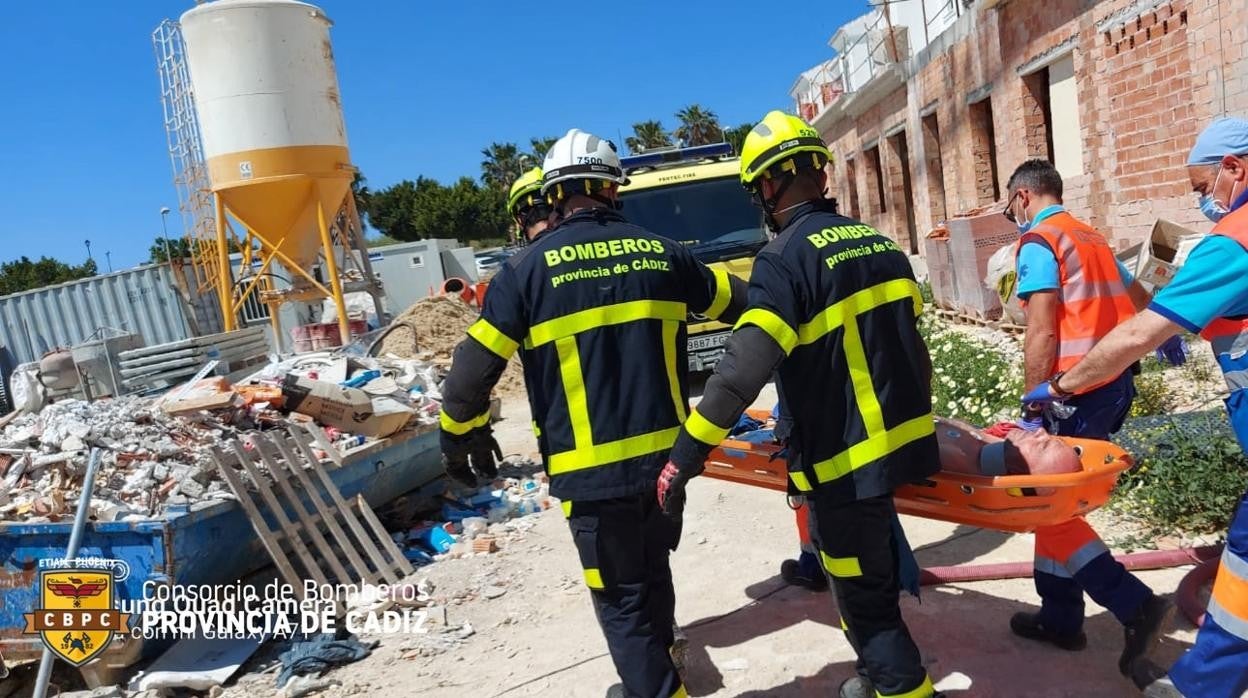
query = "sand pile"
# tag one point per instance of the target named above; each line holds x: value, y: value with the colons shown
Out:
x: 431, y: 329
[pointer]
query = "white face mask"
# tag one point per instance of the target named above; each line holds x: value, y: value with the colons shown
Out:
x: 1213, y: 209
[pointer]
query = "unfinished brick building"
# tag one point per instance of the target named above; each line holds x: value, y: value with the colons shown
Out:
x: 930, y: 104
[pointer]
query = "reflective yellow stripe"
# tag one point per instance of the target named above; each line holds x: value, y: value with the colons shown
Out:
x: 835, y: 315
x: 612, y: 451
x: 593, y: 578
x: 723, y: 294
x: 566, y: 505
x: 772, y: 324
x: 841, y: 566
x: 537, y: 431
x: 461, y: 428
x: 671, y: 330
x: 681, y: 693
x: 860, y: 376
x: 703, y: 430
x: 800, y: 481
x: 925, y: 690
x: 874, y: 448
x: 844, y: 625
x: 602, y: 316
x: 574, y: 390
x: 493, y: 339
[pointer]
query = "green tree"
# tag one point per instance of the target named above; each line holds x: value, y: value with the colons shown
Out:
x: 425, y: 208
x: 698, y: 126
x: 647, y: 135
x: 363, y: 195
x: 503, y: 163
x: 736, y: 136
x: 23, y: 274
x: 540, y: 146
x: 180, y: 248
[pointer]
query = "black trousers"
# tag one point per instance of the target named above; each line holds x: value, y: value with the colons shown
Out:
x: 855, y: 541
x: 624, y: 545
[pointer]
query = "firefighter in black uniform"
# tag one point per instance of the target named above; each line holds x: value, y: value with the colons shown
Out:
x: 833, y: 307
x: 597, y: 308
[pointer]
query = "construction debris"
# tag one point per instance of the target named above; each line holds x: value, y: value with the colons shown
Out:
x: 443, y: 323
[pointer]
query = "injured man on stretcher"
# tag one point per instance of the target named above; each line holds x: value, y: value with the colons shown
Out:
x: 1002, y: 449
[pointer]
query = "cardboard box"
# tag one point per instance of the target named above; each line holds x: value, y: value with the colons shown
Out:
x: 349, y: 409
x: 1167, y: 249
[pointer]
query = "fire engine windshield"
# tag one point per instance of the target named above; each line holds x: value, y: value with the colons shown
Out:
x: 714, y: 217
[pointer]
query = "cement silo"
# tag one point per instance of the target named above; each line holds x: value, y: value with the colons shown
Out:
x: 266, y: 95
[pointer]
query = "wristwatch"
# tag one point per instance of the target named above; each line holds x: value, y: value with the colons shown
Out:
x: 1057, y: 389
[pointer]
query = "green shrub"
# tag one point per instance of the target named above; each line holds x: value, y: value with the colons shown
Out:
x: 973, y: 380
x: 1190, y: 473
x: 1153, y: 395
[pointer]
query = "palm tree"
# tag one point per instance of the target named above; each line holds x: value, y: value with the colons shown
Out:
x: 503, y: 163
x: 647, y: 135
x: 698, y: 126
x: 363, y: 195
x: 736, y: 136
x: 540, y: 146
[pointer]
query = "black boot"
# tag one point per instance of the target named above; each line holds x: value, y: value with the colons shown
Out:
x: 1028, y: 625
x: 1152, y: 680
x: 616, y: 691
x: 1141, y: 633
x: 857, y: 687
x: 791, y: 572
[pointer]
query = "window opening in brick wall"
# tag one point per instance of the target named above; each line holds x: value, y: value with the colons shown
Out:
x: 1037, y: 119
x: 875, y: 181
x: 984, y: 152
x: 851, y: 184
x: 902, y: 191
x: 1065, y: 131
x: 935, y: 167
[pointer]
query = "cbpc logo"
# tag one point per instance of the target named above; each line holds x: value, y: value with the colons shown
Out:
x: 77, y: 616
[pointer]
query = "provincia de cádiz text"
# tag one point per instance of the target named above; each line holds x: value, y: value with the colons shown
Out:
x: 275, y: 609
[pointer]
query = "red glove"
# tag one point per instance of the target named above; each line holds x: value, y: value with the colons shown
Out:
x: 671, y: 489
x: 1000, y: 429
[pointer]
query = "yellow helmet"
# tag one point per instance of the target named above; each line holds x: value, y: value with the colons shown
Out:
x: 773, y: 145
x: 525, y: 191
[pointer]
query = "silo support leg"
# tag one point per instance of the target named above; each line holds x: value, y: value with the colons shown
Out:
x: 225, y: 286
x: 331, y: 268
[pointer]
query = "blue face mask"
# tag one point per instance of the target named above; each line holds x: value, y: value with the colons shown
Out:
x: 1212, y: 208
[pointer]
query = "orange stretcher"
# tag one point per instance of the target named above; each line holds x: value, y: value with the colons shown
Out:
x: 1017, y: 503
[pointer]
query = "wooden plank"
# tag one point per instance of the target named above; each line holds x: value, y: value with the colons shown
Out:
x: 399, y: 560
x: 156, y: 368
x: 322, y: 442
x: 288, y: 528
x: 262, y: 445
x: 352, y: 522
x: 326, y: 515
x: 258, y: 524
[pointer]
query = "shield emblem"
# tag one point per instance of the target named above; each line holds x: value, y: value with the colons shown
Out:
x: 78, y: 613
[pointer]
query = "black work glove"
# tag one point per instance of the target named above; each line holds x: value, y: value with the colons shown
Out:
x: 474, y: 451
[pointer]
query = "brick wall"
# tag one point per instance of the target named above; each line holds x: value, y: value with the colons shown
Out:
x: 1149, y: 76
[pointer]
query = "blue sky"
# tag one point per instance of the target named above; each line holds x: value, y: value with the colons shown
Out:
x: 426, y: 85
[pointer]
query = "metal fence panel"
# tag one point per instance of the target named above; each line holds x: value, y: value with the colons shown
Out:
x: 141, y: 300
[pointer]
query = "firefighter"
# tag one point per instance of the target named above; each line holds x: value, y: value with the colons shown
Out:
x: 1209, y: 295
x: 1074, y: 292
x: 833, y: 309
x: 527, y: 207
x: 596, y: 307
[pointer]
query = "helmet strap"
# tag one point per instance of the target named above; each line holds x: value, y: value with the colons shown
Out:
x: 770, y: 204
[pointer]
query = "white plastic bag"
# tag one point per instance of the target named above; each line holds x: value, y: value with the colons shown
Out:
x: 28, y: 392
x: 1002, y: 279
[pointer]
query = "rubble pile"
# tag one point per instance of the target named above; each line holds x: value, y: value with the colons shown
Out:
x: 149, y: 459
x: 431, y: 329
x: 156, y: 452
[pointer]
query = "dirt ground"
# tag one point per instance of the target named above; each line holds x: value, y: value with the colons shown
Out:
x: 533, y: 631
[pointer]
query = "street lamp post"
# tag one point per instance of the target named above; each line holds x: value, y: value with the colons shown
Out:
x: 164, y: 232
x: 88, y: 244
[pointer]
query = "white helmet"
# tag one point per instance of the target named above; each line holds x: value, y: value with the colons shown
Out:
x: 580, y: 156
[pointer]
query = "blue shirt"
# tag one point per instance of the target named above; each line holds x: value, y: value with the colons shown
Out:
x: 1212, y: 283
x: 1037, y: 266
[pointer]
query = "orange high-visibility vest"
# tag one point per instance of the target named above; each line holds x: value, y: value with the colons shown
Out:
x: 1224, y: 333
x: 1092, y: 299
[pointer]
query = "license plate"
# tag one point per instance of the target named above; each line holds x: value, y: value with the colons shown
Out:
x: 708, y: 341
